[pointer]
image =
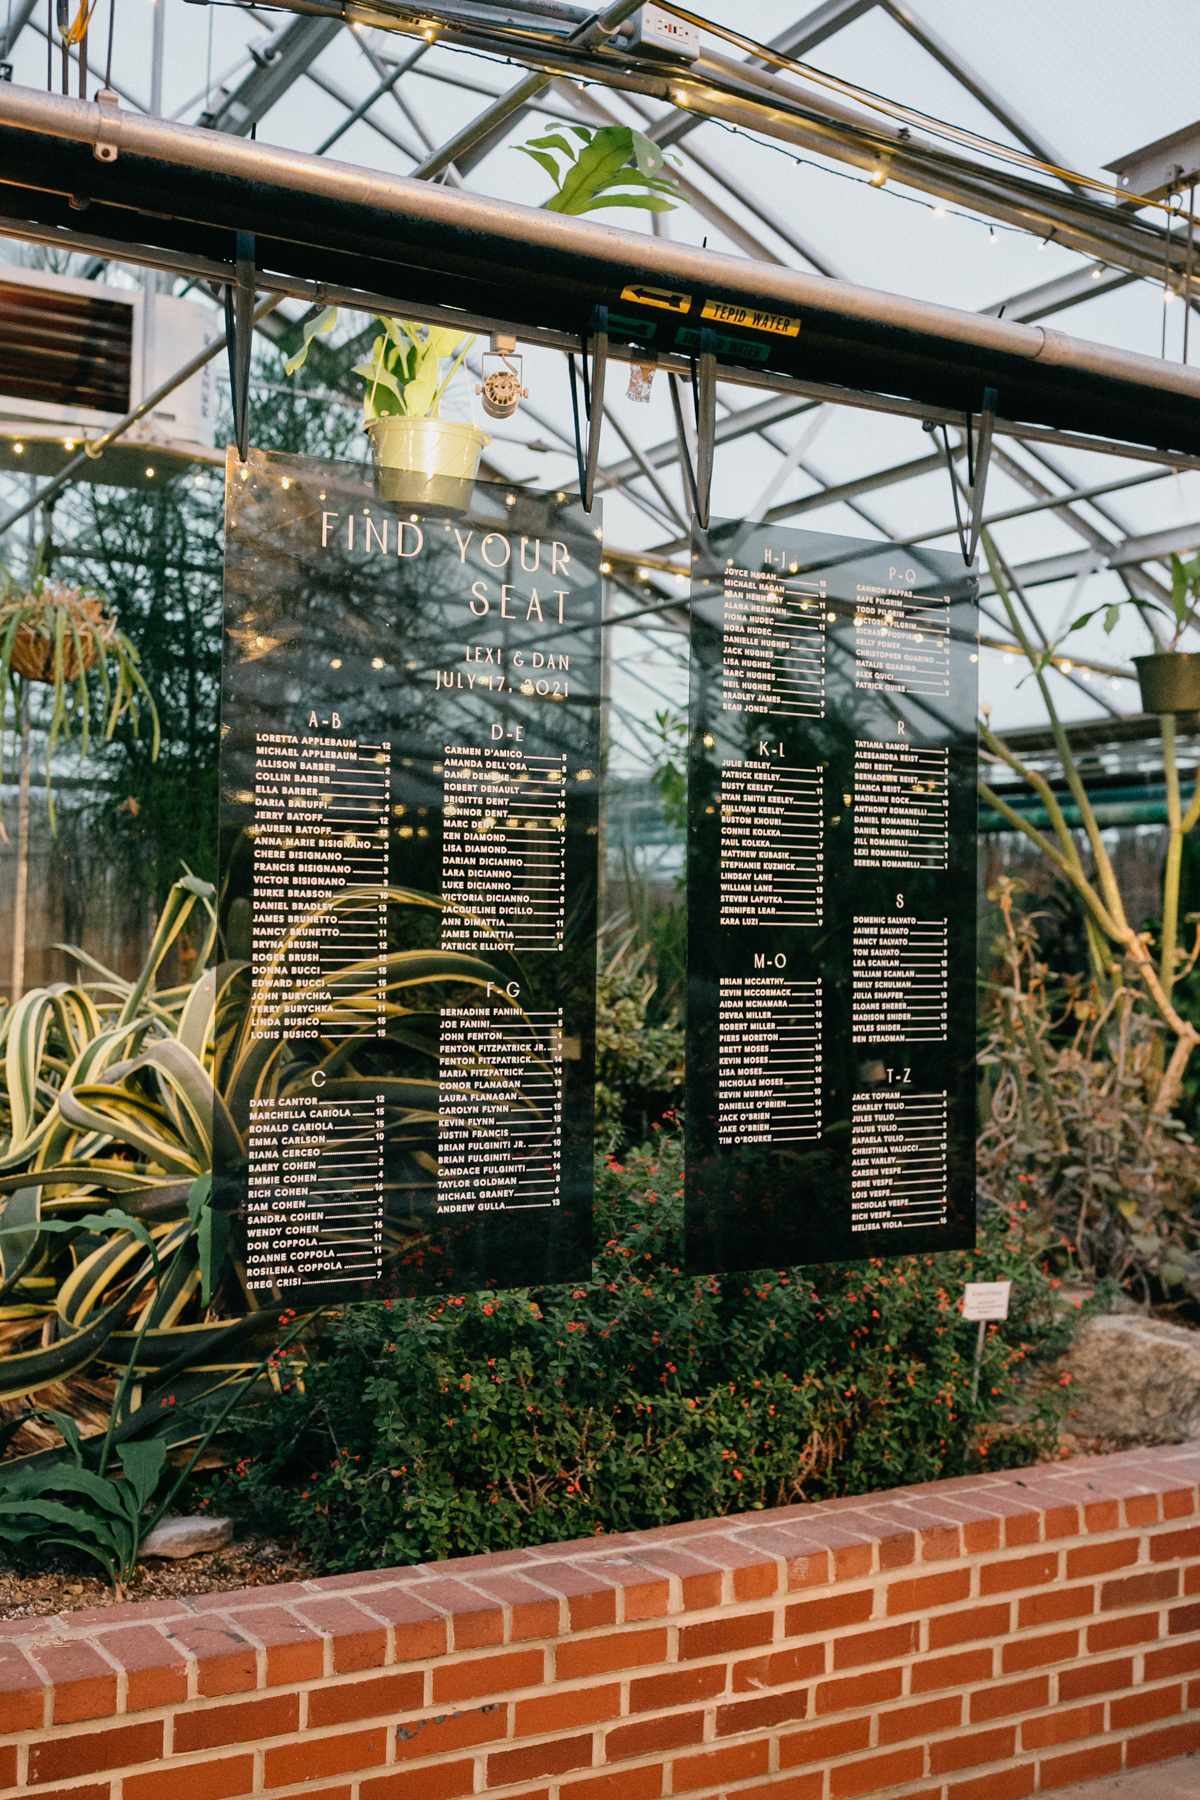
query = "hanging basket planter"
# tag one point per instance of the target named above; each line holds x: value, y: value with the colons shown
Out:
x: 56, y: 635
x: 1170, y: 682
x: 429, y: 463
x: 33, y: 647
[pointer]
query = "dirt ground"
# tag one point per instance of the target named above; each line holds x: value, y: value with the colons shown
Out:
x: 249, y: 1561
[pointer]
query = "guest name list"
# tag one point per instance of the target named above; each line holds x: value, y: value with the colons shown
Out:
x: 410, y: 741
x: 831, y: 696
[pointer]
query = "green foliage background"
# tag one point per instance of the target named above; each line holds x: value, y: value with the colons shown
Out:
x: 645, y: 1396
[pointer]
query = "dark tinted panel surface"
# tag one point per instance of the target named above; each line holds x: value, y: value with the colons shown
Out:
x: 831, y: 894
x: 409, y: 806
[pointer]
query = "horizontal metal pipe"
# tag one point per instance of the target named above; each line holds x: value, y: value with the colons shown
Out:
x: 474, y: 216
x: 331, y: 294
x: 1107, y: 816
x: 720, y: 87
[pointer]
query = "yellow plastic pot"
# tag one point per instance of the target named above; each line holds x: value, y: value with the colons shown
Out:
x: 429, y: 463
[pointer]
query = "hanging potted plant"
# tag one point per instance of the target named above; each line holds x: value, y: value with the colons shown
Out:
x: 63, y: 637
x: 57, y: 636
x: 422, y: 459
x: 1169, y: 678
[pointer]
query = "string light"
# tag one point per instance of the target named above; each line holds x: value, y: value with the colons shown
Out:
x: 880, y: 186
x: 910, y: 115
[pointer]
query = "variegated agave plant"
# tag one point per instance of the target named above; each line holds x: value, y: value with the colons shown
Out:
x: 114, y: 1092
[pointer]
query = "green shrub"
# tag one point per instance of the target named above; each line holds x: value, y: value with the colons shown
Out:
x: 643, y: 1396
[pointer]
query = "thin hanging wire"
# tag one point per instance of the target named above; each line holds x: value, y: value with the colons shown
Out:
x: 112, y: 16
x: 1187, y: 277
x: 1166, y: 286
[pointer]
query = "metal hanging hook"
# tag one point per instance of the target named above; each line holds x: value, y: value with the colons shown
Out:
x: 979, y: 456
x: 587, y: 461
x: 979, y: 474
x: 239, y: 331
x: 704, y: 387
x: 704, y: 406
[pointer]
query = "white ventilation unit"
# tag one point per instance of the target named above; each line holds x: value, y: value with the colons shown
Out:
x: 76, y: 356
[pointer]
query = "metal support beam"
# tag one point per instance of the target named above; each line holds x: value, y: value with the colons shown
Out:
x: 740, y: 92
x: 749, y: 198
x: 1056, y: 296
x: 1051, y: 503
x: 1179, y: 540
x: 825, y: 21
x: 975, y: 85
x: 382, y: 87
x: 721, y: 87
x: 702, y: 203
x: 502, y: 110
x: 748, y: 420
x: 337, y: 92
x: 21, y: 15
x: 862, y: 484
x: 288, y: 56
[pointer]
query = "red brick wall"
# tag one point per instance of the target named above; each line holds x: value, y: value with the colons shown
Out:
x: 969, y: 1640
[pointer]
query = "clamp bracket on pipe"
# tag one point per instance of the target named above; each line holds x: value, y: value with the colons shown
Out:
x: 239, y: 332
x: 587, y: 460
x: 105, y: 149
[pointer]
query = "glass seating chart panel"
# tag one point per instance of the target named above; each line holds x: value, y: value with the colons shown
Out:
x: 831, y: 900
x: 410, y: 759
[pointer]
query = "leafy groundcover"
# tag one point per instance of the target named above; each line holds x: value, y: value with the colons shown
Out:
x: 486, y: 1421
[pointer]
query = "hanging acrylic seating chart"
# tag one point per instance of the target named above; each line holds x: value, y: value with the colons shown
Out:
x: 410, y: 756
x: 831, y: 900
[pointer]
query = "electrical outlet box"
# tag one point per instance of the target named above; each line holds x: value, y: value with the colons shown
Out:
x: 654, y: 29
